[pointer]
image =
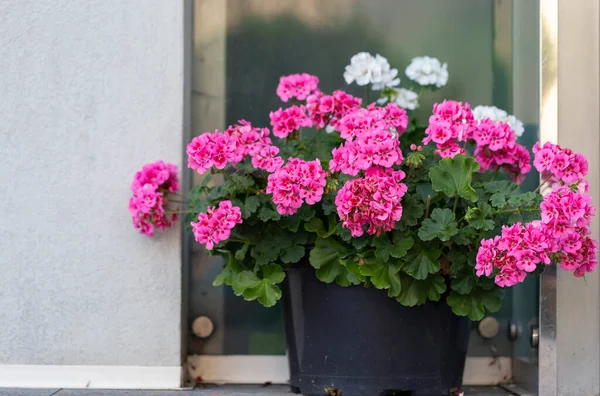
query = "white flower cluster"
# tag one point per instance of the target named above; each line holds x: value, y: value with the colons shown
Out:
x: 365, y: 69
x: 426, y: 70
x: 404, y: 98
x: 496, y: 114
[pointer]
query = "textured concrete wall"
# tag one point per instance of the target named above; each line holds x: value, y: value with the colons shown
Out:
x: 89, y: 91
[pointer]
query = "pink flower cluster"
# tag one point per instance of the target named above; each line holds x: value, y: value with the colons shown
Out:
x: 561, y: 236
x: 267, y: 159
x: 373, y: 147
x: 147, y: 205
x: 289, y: 120
x: 451, y: 122
x: 497, y: 149
x: 296, y: 182
x: 247, y: 139
x: 218, y: 149
x: 390, y: 118
x: 216, y: 224
x: 373, y: 200
x: 326, y: 110
x: 560, y: 166
x: 298, y: 86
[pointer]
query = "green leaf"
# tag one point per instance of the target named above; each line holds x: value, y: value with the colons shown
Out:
x: 464, y: 236
x: 402, y: 244
x: 250, y: 206
x: 504, y: 186
x: 265, y: 251
x: 241, y: 253
x: 483, y: 224
x: 229, y: 272
x: 224, y: 277
x: 453, y: 176
x: 293, y: 254
x: 486, y: 283
x: 384, y: 275
x: 316, y: 225
x: 325, y: 257
x: 458, y: 261
x: 492, y: 299
x: 264, y: 289
x: 422, y: 261
x: 498, y: 200
x: 398, y: 248
x: 344, y: 233
x: 306, y: 212
x: 328, y: 204
x: 216, y: 194
x: 526, y: 199
x: 266, y: 214
x: 292, y: 222
x: 477, y: 217
x: 359, y: 242
x: 351, y: 264
x: 416, y: 292
x: 384, y: 247
x: 474, y: 305
x: 412, y: 211
x: 514, y: 218
x: 424, y: 191
x: 463, y: 284
x: 237, y: 183
x: 441, y: 225
x: 466, y: 305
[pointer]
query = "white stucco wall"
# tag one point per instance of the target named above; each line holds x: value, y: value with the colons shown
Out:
x: 89, y: 91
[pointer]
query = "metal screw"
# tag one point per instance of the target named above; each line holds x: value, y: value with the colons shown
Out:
x: 534, y: 338
x: 202, y: 327
x: 488, y: 327
x: 513, y: 330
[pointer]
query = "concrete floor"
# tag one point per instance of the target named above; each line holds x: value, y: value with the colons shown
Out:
x: 230, y: 390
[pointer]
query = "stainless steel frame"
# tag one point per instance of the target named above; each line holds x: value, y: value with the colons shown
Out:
x: 569, y: 348
x: 569, y: 69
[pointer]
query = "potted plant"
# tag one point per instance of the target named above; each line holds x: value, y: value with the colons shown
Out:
x: 382, y: 236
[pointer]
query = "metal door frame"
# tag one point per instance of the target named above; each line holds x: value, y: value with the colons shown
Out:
x: 569, y: 347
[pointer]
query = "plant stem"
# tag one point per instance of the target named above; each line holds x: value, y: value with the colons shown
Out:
x: 176, y: 201
x: 313, y: 138
x: 224, y: 172
x: 518, y: 210
x: 542, y: 183
x: 494, y: 175
x: 455, y: 203
x: 369, y: 94
x: 427, y: 206
x: 179, y: 211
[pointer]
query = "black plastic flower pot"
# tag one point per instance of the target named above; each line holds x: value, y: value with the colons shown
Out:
x: 356, y: 341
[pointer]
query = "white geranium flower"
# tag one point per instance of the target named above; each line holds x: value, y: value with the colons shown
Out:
x: 516, y: 125
x: 365, y: 69
x: 496, y: 114
x: 491, y: 112
x: 426, y: 70
x: 406, y: 98
x: 383, y: 100
x: 383, y: 75
x: 360, y: 69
